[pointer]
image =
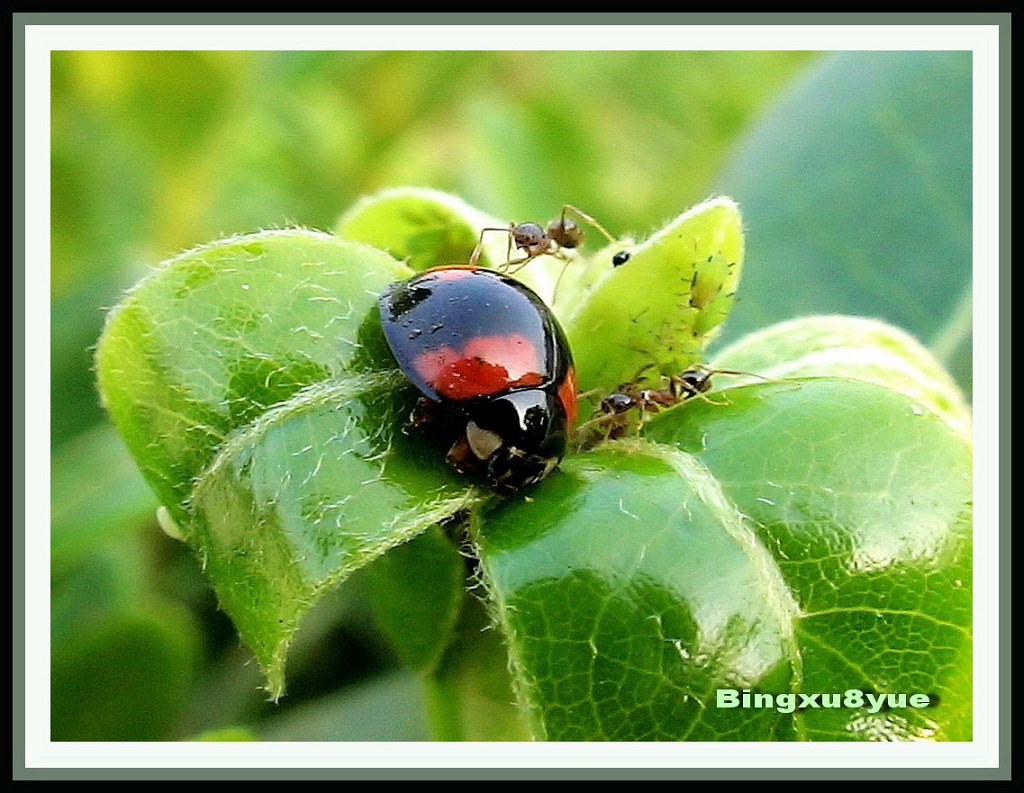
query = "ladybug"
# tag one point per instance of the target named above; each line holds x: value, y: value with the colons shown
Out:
x: 492, y: 365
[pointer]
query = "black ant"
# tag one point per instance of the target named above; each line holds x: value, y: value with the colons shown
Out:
x: 694, y: 382
x: 560, y: 235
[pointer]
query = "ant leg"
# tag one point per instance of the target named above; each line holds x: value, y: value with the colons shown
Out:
x: 559, y: 253
x: 558, y: 282
x: 607, y: 234
x: 651, y: 402
x: 709, y: 400
x: 686, y: 391
x: 550, y: 249
x: 611, y: 422
x: 519, y: 264
x: 604, y: 418
x: 474, y: 257
x: 641, y: 419
x: 613, y: 414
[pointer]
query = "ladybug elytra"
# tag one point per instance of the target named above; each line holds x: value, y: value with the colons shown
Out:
x: 492, y: 363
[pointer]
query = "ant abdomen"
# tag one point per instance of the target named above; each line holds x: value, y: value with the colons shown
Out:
x: 565, y: 233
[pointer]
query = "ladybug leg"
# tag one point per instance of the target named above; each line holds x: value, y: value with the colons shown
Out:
x: 459, y: 455
x: 424, y: 412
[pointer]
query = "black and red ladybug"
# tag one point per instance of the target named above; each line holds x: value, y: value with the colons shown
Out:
x: 493, y: 367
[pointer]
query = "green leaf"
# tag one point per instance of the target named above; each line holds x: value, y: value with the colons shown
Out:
x: 839, y: 346
x: 425, y: 228
x: 856, y: 190
x: 471, y: 695
x: 245, y: 377
x: 97, y: 496
x: 109, y: 579
x: 416, y: 591
x: 123, y: 676
x: 218, y: 335
x: 865, y: 500
x: 122, y: 658
x: 809, y: 536
x: 314, y: 490
x: 386, y: 708
x: 654, y: 315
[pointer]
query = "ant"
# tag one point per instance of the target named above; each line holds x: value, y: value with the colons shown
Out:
x: 560, y: 235
x: 694, y: 382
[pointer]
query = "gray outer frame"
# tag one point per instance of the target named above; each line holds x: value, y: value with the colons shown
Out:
x: 21, y: 20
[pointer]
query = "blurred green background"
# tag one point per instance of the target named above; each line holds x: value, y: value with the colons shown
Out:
x: 853, y: 172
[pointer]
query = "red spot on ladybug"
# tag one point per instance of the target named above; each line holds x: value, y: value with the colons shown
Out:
x: 567, y: 396
x: 486, y: 365
x: 489, y: 354
x: 516, y: 353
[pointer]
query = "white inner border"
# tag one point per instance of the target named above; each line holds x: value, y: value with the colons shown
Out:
x: 982, y: 752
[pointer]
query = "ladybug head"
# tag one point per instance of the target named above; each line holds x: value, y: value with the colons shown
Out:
x: 516, y: 438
